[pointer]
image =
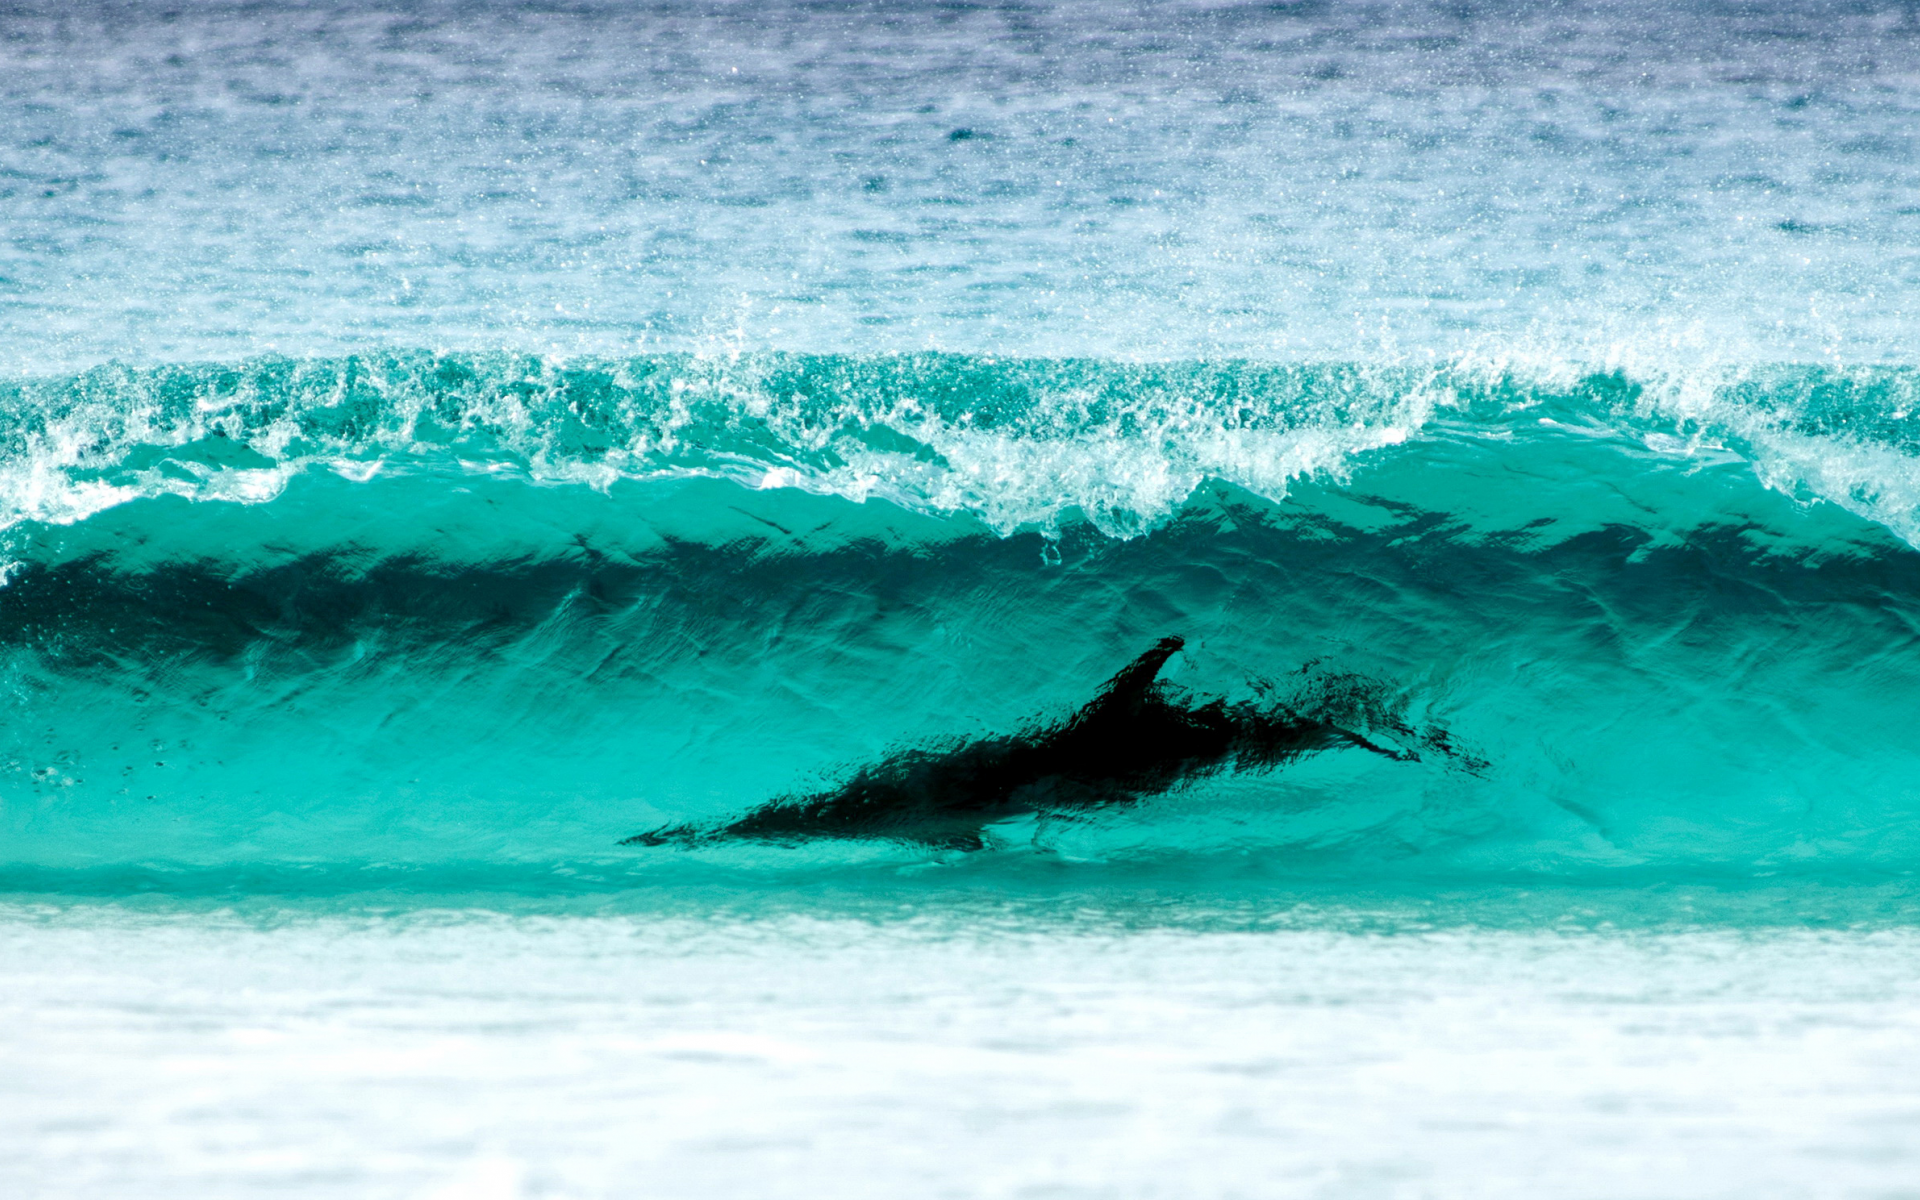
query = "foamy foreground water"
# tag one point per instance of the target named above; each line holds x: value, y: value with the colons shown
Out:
x: 163, y: 1052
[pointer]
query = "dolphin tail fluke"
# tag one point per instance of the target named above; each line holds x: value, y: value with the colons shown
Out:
x: 666, y: 835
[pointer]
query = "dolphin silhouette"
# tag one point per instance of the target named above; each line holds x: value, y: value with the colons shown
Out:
x: 1133, y: 740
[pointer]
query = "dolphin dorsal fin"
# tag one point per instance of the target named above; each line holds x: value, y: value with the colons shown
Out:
x: 1137, y: 676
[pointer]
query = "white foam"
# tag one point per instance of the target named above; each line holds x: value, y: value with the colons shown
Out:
x: 478, y: 1056
x: 1123, y: 446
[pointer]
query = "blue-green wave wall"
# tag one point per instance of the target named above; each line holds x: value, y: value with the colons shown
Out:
x: 419, y: 613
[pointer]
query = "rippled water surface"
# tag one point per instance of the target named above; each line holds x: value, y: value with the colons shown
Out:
x: 966, y: 1049
x: 442, y: 441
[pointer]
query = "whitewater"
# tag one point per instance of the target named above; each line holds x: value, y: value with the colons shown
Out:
x: 441, y: 443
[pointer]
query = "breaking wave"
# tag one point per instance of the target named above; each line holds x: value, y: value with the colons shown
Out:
x: 419, y: 612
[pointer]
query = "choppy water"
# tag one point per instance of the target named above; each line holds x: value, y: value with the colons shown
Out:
x: 1082, y: 179
x: 438, y: 443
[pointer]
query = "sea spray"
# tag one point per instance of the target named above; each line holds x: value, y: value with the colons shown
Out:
x: 496, y: 613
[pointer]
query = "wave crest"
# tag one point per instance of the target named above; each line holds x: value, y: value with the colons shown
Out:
x: 1019, y: 444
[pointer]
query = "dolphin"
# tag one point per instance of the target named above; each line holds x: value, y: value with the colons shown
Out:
x: 1134, y: 739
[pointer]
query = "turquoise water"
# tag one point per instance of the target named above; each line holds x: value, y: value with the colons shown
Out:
x: 373, y: 617
x: 439, y: 442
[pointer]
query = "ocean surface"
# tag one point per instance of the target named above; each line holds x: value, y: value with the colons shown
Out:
x: 442, y: 441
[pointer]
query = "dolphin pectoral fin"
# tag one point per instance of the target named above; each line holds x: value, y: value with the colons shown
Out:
x: 1137, y: 676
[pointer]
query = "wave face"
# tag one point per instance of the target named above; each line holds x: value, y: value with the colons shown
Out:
x: 412, y: 615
